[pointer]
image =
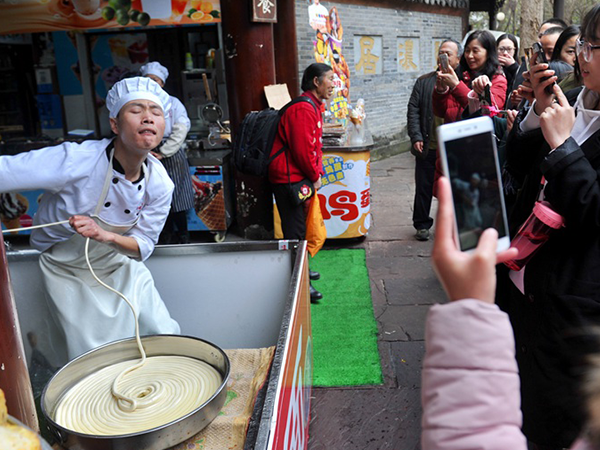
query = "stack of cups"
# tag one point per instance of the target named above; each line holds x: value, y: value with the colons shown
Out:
x: 536, y: 230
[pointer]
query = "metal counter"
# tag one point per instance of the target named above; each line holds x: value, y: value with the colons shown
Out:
x: 236, y: 295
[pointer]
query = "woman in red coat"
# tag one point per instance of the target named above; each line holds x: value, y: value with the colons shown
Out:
x: 481, y: 68
x: 300, y: 131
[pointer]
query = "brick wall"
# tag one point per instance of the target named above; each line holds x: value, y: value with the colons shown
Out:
x: 386, y: 95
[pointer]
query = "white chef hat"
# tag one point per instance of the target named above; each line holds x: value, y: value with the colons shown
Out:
x: 136, y: 88
x: 155, y: 68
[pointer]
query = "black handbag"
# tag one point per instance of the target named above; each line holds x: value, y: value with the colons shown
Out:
x: 301, y: 191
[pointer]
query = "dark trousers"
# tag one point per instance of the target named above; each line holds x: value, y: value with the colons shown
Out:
x: 293, y: 218
x: 424, y: 175
x: 175, y: 230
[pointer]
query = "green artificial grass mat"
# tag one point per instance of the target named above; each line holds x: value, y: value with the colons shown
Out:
x: 344, y: 330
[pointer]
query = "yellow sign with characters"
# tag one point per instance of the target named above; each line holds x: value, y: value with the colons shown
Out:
x: 408, y: 54
x: 368, y: 52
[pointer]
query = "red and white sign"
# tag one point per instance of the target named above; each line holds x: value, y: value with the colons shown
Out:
x: 292, y: 413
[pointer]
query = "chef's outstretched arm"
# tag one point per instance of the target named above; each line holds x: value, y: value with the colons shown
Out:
x: 87, y: 227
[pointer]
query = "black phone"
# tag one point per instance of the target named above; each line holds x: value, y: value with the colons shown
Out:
x: 540, y: 58
x: 538, y: 50
x: 444, y: 64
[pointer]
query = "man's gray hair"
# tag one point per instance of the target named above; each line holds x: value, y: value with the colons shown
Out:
x: 459, y: 47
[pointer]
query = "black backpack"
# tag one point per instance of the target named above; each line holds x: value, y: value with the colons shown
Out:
x: 255, y: 137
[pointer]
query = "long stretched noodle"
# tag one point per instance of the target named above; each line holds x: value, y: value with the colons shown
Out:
x: 163, y: 389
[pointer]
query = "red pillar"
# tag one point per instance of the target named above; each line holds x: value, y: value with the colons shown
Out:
x: 14, y: 377
x: 249, y: 67
x: 286, y: 48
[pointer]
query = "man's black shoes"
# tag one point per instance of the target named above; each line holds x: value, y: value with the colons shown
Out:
x: 315, y: 295
x: 314, y: 275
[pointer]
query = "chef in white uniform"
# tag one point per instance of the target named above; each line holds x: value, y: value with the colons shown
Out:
x: 114, y: 192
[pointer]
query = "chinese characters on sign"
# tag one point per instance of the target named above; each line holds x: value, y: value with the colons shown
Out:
x: 408, y: 54
x: 264, y: 11
x: 368, y: 52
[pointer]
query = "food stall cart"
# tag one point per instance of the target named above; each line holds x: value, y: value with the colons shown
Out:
x: 345, y: 193
x: 267, y: 306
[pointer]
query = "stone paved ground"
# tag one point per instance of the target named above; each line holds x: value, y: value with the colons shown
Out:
x: 403, y: 286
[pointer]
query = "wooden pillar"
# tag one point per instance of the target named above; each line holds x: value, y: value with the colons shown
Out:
x: 249, y: 59
x: 286, y: 47
x: 14, y: 377
x: 249, y: 67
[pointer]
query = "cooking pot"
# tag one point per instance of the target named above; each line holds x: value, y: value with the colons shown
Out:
x: 158, y: 438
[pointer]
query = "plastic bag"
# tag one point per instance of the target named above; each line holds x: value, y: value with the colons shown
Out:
x: 316, y: 232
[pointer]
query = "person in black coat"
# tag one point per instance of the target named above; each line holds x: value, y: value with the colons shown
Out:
x: 554, y: 152
x: 421, y: 130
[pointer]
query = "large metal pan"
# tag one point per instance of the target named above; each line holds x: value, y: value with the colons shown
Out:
x: 158, y: 438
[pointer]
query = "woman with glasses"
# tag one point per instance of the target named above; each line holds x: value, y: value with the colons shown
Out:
x: 554, y: 152
x: 508, y: 51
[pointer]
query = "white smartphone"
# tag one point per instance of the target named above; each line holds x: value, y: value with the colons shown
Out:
x: 470, y: 161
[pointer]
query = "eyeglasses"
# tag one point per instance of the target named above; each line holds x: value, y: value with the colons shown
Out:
x: 506, y: 49
x: 586, y: 49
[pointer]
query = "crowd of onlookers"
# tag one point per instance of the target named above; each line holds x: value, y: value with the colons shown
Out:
x: 519, y: 373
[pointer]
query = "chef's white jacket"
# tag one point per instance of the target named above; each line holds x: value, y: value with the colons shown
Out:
x: 72, y: 176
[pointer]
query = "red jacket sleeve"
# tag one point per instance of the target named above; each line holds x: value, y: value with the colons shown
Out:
x: 451, y: 104
x: 498, y: 90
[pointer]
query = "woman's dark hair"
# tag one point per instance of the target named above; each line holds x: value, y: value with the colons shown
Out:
x: 487, y: 41
x: 567, y: 33
x: 513, y: 39
x: 589, y: 26
x: 312, y: 71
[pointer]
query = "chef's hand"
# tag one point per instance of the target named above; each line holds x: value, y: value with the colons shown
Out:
x: 479, y: 84
x: 157, y: 155
x: 557, y: 120
x: 464, y: 275
x: 88, y: 228
x: 317, y: 184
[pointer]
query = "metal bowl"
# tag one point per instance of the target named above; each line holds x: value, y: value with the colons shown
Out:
x: 157, y: 438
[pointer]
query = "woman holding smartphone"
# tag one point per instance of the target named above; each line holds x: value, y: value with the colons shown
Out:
x: 481, y: 68
x: 554, y: 151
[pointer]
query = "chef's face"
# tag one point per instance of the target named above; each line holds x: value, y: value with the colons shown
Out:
x: 156, y: 78
x: 140, y: 125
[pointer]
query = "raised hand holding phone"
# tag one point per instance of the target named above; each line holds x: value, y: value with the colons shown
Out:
x: 542, y: 79
x: 444, y: 63
x: 464, y: 275
x: 447, y: 79
x: 470, y: 160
